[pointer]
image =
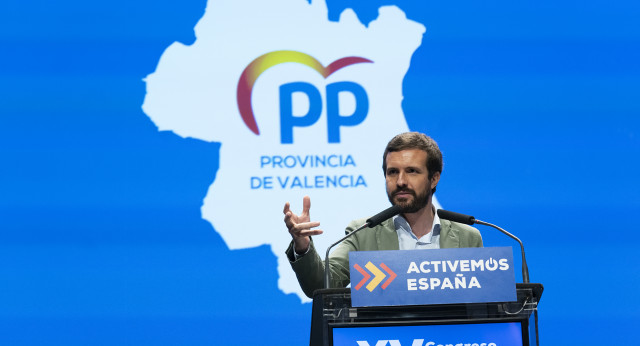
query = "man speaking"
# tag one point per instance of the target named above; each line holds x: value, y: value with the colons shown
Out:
x: 412, y: 163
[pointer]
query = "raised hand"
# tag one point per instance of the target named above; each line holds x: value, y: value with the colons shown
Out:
x: 299, y: 226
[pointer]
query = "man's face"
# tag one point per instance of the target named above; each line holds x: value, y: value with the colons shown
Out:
x: 407, y: 179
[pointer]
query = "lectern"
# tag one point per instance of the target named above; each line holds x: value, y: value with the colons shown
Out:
x: 333, y: 317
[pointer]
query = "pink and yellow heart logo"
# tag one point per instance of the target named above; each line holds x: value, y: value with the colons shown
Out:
x: 268, y: 60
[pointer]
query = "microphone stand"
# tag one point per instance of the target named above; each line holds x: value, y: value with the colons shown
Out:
x: 371, y: 222
x: 525, y: 268
x: 327, y: 270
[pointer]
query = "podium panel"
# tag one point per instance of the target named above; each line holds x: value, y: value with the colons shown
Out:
x: 335, y: 322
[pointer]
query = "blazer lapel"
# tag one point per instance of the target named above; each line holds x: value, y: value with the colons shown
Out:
x: 448, y: 236
x: 386, y: 236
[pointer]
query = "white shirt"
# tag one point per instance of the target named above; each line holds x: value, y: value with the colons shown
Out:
x: 408, y: 240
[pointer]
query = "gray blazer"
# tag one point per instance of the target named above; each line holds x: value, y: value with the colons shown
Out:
x: 309, y: 268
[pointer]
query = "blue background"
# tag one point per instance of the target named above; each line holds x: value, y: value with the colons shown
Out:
x: 534, y: 104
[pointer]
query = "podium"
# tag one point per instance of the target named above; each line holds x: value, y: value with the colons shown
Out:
x: 332, y: 313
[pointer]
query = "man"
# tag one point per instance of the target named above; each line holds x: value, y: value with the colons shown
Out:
x: 412, y: 163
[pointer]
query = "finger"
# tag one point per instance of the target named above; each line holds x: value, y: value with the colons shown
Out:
x: 290, y: 219
x: 287, y: 219
x: 310, y: 232
x: 286, y: 208
x: 306, y: 225
x: 300, y: 228
x: 306, y: 205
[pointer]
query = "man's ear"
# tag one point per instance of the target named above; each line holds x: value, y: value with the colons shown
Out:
x: 435, y: 179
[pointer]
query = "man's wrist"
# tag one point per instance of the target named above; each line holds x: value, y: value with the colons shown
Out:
x: 297, y: 254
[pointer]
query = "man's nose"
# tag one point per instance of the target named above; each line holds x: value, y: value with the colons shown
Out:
x: 402, y: 181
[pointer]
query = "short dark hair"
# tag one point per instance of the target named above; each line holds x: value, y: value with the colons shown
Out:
x: 415, y: 140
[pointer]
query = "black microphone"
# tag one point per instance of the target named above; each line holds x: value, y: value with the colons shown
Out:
x: 371, y: 222
x: 456, y: 217
x: 470, y: 220
x: 388, y: 213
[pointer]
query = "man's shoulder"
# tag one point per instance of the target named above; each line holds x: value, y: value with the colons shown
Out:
x: 354, y: 224
x: 465, y: 235
x: 357, y: 222
x: 460, y: 227
x: 380, y: 237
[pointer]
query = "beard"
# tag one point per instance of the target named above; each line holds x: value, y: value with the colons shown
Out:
x: 412, y: 205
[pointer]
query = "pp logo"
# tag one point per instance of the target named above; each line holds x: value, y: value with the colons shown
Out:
x: 378, y: 276
x: 288, y: 121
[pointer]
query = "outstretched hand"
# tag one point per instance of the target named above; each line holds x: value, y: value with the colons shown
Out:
x: 299, y: 226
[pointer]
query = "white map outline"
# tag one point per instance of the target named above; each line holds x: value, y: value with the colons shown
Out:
x: 192, y: 93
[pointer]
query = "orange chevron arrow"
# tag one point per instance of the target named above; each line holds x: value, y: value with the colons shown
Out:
x: 364, y: 273
x: 378, y: 276
x: 392, y: 275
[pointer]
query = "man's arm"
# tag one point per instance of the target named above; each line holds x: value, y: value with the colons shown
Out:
x: 309, y: 268
x: 301, y: 253
x: 305, y: 260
